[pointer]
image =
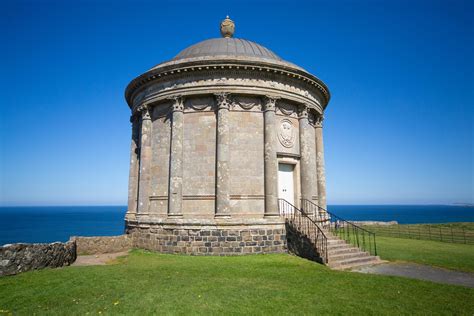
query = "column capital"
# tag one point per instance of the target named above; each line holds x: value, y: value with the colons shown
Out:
x: 318, y: 123
x: 178, y: 103
x: 303, y: 112
x: 145, y: 112
x: 269, y: 103
x: 223, y: 101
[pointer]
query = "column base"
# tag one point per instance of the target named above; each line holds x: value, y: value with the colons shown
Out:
x: 175, y: 215
x: 222, y: 216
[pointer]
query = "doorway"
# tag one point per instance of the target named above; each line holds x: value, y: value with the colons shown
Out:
x: 286, y: 182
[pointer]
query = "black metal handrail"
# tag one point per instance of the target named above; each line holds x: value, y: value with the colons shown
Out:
x: 305, y: 225
x: 350, y: 232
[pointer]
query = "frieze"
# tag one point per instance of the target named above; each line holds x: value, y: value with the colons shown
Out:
x: 287, y: 109
x: 199, y: 103
x: 245, y: 103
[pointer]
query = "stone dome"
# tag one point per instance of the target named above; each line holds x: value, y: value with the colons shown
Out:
x: 227, y: 47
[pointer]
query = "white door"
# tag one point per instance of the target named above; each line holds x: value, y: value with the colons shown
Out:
x: 285, y: 182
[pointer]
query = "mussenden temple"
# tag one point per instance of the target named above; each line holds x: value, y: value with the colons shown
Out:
x: 227, y: 153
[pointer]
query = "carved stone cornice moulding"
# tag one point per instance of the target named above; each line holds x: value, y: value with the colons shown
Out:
x: 173, y: 75
x: 251, y: 86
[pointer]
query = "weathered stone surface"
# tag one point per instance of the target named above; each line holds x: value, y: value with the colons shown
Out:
x: 217, y: 241
x: 101, y: 244
x: 16, y: 258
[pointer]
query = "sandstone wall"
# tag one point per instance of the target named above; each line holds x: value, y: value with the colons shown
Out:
x: 160, y: 161
x: 16, y: 258
x: 102, y: 244
x: 246, y: 163
x: 199, y: 164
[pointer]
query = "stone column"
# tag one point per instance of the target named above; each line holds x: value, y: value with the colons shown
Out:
x: 307, y: 169
x: 145, y: 162
x: 270, y: 157
x: 321, y: 177
x: 134, y: 168
x: 175, y: 191
x: 222, y: 157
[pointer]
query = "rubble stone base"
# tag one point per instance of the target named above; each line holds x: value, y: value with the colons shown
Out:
x: 217, y: 241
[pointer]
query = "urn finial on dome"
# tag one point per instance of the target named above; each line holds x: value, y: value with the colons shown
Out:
x: 227, y: 27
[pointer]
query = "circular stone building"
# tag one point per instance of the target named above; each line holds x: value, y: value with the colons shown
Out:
x: 219, y: 134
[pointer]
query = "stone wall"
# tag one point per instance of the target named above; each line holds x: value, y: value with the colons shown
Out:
x: 16, y: 258
x: 103, y: 244
x: 246, y: 163
x: 210, y: 241
x: 300, y: 245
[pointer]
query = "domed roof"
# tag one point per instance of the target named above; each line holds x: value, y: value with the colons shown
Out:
x: 227, y: 47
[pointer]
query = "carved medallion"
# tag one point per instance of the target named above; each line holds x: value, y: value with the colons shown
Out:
x: 286, y: 134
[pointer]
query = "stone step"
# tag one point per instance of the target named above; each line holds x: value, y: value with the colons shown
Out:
x: 354, y: 262
x: 336, y: 251
x: 347, y: 255
x: 339, y: 246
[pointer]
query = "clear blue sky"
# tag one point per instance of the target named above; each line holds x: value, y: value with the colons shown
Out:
x: 398, y: 129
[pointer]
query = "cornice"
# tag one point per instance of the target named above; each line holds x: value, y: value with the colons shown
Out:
x: 176, y: 72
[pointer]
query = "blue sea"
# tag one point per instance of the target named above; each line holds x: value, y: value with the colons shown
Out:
x: 48, y: 224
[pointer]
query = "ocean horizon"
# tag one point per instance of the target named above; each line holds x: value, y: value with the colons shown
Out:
x: 36, y: 224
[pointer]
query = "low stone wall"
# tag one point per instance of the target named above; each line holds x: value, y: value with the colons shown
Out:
x: 102, y: 244
x: 16, y: 258
x: 210, y: 241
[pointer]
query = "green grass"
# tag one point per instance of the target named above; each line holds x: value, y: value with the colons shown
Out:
x: 148, y: 283
x: 435, y: 253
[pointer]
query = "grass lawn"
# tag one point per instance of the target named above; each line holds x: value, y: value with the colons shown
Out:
x: 435, y: 253
x: 146, y: 283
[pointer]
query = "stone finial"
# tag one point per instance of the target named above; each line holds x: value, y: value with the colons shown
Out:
x: 227, y: 27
